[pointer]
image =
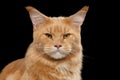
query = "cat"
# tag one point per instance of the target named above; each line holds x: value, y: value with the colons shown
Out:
x: 55, y: 52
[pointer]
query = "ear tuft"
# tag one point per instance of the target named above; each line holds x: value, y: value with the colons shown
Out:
x: 85, y: 8
x: 29, y: 8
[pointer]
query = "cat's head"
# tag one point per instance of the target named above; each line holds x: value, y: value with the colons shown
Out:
x: 57, y: 37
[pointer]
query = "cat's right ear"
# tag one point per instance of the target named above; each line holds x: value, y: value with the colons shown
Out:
x: 36, y: 16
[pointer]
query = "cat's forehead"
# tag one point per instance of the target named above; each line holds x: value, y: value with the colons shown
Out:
x: 58, y: 20
x: 58, y: 24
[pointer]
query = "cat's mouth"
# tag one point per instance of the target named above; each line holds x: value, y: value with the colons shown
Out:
x: 57, y: 53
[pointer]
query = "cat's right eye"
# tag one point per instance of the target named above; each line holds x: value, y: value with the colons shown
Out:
x: 48, y: 35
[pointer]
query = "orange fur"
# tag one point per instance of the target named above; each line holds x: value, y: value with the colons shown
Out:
x: 56, y: 50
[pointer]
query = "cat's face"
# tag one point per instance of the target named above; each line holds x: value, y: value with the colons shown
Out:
x: 56, y: 37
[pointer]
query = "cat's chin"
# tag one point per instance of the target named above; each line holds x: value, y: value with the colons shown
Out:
x: 58, y: 55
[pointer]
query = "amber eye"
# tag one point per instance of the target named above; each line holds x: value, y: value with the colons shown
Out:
x: 48, y: 35
x: 66, y: 35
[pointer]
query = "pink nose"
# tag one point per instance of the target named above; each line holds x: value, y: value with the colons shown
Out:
x: 58, y: 46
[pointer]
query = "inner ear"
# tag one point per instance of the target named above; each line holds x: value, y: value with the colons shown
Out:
x: 36, y: 16
x: 78, y: 18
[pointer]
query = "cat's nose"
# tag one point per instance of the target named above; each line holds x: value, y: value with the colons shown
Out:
x: 57, y: 46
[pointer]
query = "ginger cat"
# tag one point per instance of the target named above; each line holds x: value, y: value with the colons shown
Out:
x: 56, y: 50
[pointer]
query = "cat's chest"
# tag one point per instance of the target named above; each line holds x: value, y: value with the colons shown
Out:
x: 59, y: 72
x: 65, y: 72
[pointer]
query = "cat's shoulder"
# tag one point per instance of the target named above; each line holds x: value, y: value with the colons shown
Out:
x: 14, y: 65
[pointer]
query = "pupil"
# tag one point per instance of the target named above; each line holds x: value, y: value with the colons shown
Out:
x: 66, y: 35
x: 48, y: 35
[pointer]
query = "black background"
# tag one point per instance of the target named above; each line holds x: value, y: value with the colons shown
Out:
x: 16, y: 29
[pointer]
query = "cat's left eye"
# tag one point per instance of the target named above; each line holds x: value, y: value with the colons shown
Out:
x: 48, y: 35
x: 66, y: 35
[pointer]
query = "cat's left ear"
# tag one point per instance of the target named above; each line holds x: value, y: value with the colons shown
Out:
x: 78, y: 18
